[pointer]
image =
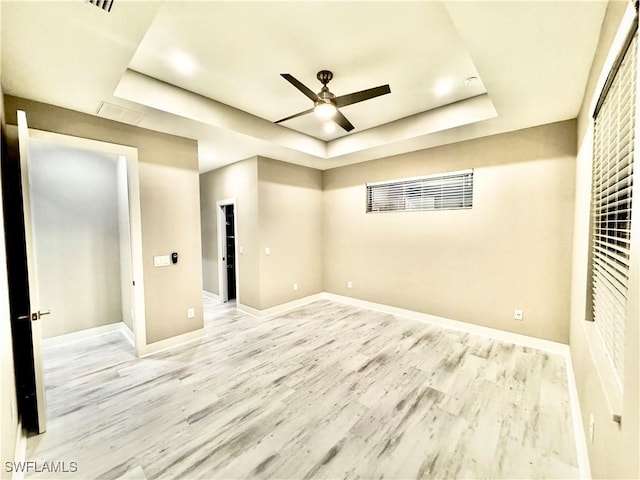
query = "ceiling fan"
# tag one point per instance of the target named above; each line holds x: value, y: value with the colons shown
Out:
x: 326, y: 104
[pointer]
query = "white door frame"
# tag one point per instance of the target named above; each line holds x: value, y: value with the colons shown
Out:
x: 135, y: 222
x: 222, y: 250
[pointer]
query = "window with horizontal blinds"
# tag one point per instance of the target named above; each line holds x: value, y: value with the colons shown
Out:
x: 103, y: 4
x: 447, y: 191
x: 611, y: 200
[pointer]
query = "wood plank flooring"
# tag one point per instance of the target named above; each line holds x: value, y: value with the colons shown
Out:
x: 323, y: 391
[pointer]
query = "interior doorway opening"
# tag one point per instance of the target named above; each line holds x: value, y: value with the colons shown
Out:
x: 227, y: 250
x: 230, y: 250
x: 81, y: 229
x: 87, y: 231
x: 26, y: 309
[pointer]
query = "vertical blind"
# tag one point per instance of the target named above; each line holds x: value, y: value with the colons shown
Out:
x: 612, y: 189
x: 447, y: 191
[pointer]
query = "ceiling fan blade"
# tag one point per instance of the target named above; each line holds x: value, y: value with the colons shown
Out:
x: 294, y: 116
x: 341, y: 120
x: 300, y: 86
x: 350, y: 98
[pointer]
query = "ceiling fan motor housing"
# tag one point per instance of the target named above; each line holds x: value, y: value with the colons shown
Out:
x: 325, y: 96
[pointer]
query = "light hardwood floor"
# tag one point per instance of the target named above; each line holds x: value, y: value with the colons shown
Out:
x: 323, y: 391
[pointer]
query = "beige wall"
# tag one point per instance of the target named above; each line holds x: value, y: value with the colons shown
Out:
x: 615, y: 450
x: 510, y: 251
x: 169, y: 203
x: 278, y: 206
x: 74, y: 207
x: 238, y: 181
x: 518, y: 234
x: 290, y: 224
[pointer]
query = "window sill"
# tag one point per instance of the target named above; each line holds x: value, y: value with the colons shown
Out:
x: 604, y: 370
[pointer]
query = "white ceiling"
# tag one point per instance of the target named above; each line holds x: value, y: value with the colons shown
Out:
x: 532, y: 59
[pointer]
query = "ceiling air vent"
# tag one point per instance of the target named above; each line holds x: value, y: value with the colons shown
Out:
x: 118, y: 113
x: 103, y: 4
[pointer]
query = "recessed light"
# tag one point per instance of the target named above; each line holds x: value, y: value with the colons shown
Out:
x: 183, y: 63
x: 444, y: 87
x: 470, y: 81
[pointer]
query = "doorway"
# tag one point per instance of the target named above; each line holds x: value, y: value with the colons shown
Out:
x: 230, y: 251
x: 25, y: 308
x: 227, y: 248
x: 80, y: 217
x: 112, y: 249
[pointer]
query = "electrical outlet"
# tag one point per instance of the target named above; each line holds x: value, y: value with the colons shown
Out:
x: 349, y: 284
x: 517, y: 314
x: 295, y: 285
x: 191, y: 312
x: 592, y: 427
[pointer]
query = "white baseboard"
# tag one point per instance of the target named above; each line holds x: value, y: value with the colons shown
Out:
x: 128, y: 334
x: 278, y: 309
x: 582, y: 451
x: 20, y: 452
x: 494, y: 333
x: 81, y: 335
x: 211, y: 296
x: 172, y: 342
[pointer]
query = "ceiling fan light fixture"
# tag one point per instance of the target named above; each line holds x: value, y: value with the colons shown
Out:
x: 329, y: 127
x: 325, y: 110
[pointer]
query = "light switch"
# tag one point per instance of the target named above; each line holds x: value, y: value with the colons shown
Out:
x: 161, y: 261
x: 241, y: 250
x: 267, y: 251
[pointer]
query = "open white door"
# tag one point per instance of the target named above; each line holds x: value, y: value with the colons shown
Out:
x: 36, y: 313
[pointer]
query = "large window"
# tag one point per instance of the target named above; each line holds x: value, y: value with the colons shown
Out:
x: 612, y: 192
x: 447, y: 191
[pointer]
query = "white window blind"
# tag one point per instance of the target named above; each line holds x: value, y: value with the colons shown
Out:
x: 447, y: 191
x: 612, y: 190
